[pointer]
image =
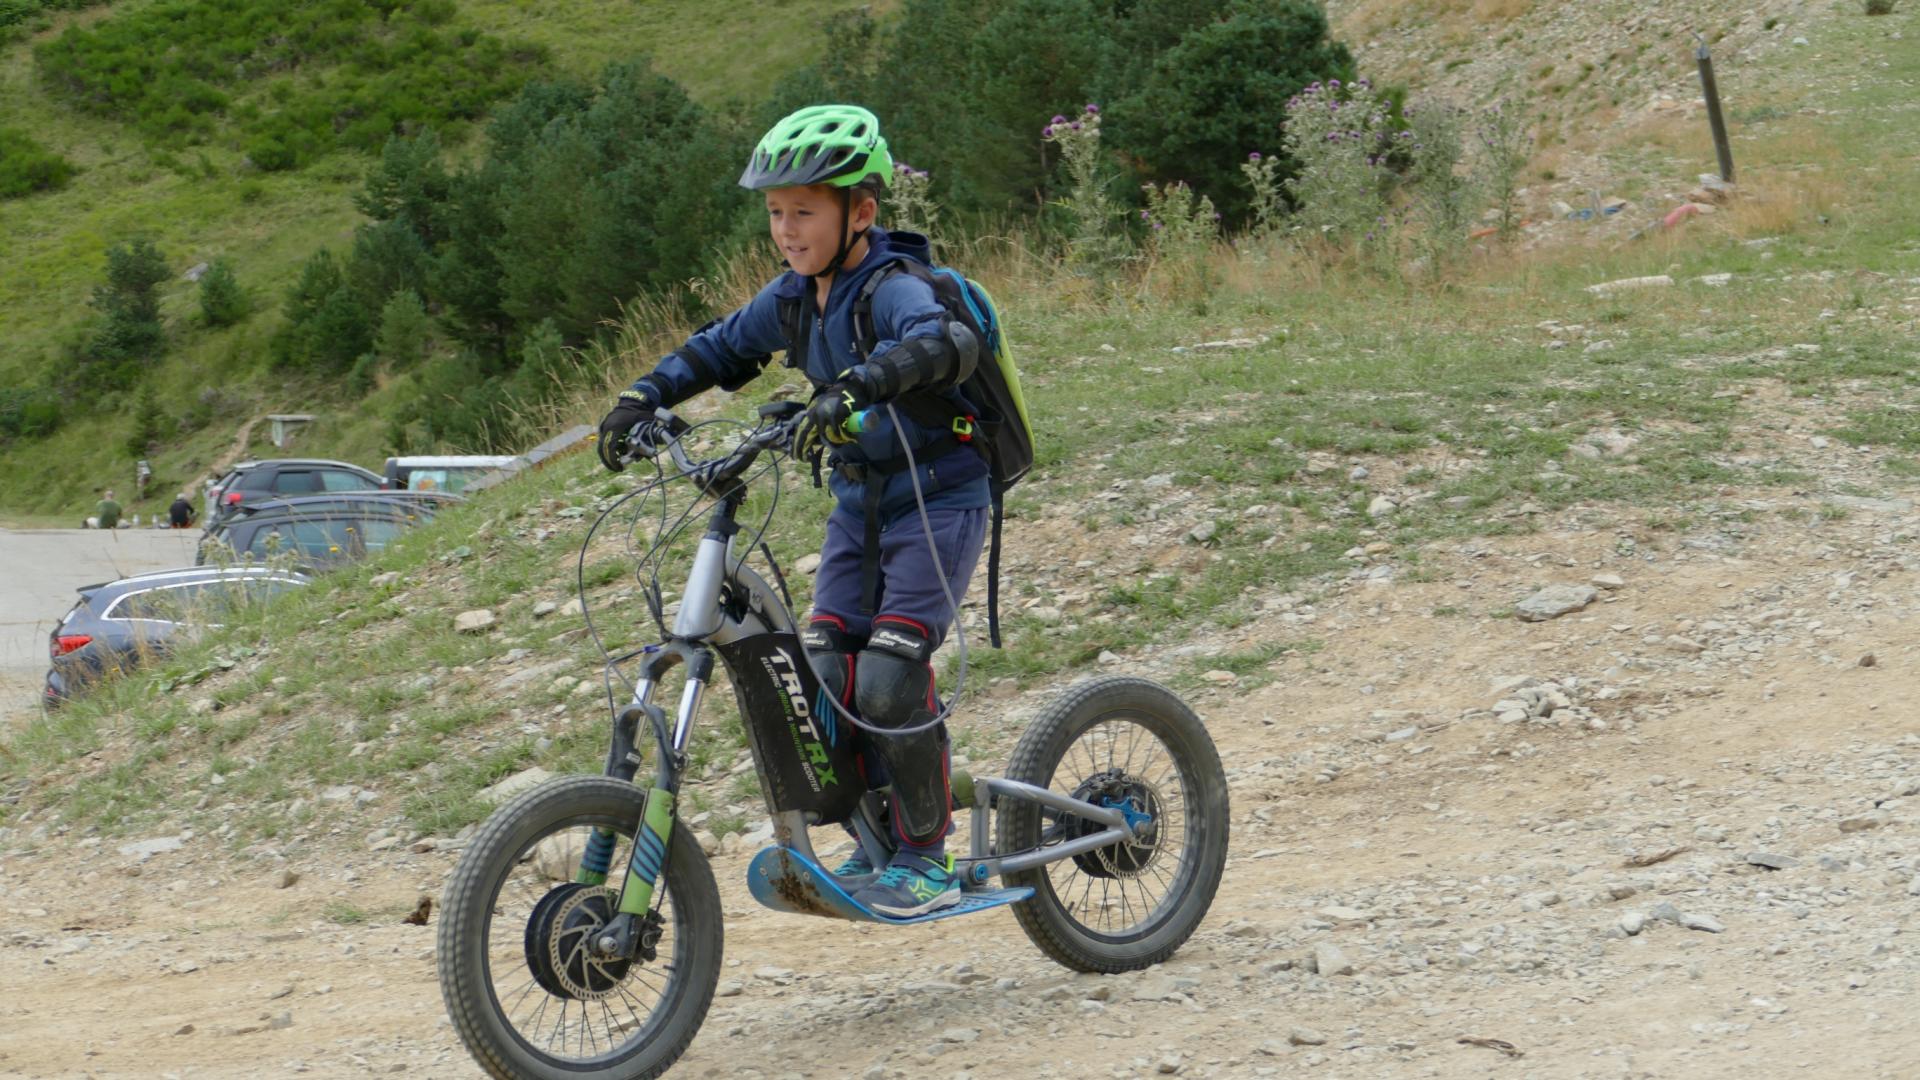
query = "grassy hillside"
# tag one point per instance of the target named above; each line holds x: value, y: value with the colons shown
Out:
x: 204, y: 202
x: 1182, y: 494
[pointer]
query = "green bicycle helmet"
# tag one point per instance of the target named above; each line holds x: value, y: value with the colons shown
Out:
x: 820, y: 144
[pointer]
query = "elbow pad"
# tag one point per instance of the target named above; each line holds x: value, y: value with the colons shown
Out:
x: 924, y: 362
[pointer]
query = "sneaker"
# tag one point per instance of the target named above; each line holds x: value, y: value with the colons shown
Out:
x: 912, y: 885
x: 855, y: 871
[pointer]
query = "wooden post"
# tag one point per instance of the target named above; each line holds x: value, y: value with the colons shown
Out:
x: 1715, y: 118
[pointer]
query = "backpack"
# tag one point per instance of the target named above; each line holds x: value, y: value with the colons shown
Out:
x: 998, y: 428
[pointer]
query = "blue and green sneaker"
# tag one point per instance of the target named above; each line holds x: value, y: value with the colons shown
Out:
x: 912, y: 885
x: 855, y: 871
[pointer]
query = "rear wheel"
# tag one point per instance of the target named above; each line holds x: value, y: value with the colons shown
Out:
x: 1133, y: 745
x: 525, y: 990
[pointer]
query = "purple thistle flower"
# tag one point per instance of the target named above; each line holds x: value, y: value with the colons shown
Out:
x: 1075, y: 125
x: 1092, y: 108
x: 1255, y: 156
x: 1046, y: 132
x: 1333, y: 84
x: 1157, y: 225
x: 1144, y: 216
x: 1058, y: 120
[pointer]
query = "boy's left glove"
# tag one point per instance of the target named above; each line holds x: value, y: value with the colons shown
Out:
x: 830, y: 417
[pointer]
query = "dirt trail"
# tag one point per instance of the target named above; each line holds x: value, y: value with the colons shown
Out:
x: 1474, y: 867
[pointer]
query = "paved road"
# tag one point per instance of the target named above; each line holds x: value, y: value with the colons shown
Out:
x: 39, y: 571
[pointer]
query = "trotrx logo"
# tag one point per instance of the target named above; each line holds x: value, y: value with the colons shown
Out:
x: 806, y: 727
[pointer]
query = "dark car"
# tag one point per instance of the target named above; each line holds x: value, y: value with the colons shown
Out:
x: 257, y: 481
x: 417, y: 502
x: 314, y: 539
x: 118, y: 624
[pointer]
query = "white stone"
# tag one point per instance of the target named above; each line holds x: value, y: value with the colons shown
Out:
x: 524, y: 780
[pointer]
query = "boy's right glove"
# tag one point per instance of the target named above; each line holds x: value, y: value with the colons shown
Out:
x: 635, y: 406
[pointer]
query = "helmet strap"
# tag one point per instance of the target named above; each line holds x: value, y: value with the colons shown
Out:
x: 847, y: 240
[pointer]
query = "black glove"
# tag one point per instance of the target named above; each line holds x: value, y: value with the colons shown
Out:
x: 634, y: 406
x: 830, y: 416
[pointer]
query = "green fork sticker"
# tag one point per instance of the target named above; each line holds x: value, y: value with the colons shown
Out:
x: 649, y: 852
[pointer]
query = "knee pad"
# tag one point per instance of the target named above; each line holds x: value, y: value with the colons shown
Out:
x: 831, y: 649
x: 893, y: 685
x: 893, y: 681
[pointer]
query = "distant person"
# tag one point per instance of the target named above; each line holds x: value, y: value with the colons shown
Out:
x: 107, y: 514
x: 180, y: 514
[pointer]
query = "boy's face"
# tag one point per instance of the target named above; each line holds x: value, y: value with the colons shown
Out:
x: 808, y: 227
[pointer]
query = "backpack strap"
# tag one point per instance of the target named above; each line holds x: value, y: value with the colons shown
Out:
x: 865, y: 337
x: 993, y: 568
x: 796, y: 325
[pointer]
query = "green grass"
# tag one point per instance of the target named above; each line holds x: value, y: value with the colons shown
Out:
x: 719, y: 52
x: 205, y: 202
x: 1448, y: 395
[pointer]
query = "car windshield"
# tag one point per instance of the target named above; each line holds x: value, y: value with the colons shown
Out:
x: 339, y: 480
x: 326, y: 538
x: 196, y: 601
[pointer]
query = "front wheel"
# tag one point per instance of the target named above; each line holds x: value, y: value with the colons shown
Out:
x: 1131, y: 744
x: 524, y: 990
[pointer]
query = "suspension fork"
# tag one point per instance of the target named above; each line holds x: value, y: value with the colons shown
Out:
x: 627, y: 932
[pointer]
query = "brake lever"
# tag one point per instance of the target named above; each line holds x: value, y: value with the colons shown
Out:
x: 663, y: 423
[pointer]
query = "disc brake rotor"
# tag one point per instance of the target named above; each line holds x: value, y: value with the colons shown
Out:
x: 558, y: 943
x: 1141, y: 803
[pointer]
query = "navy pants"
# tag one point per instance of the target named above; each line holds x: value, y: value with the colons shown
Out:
x: 909, y: 587
x: 910, y: 600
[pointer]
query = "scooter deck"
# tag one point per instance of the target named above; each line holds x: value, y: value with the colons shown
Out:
x: 785, y: 880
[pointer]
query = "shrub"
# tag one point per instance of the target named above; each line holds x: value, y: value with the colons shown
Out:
x: 29, y: 412
x: 1502, y: 148
x: 909, y: 201
x: 1192, y: 85
x: 149, y: 427
x: 1443, y: 195
x: 129, y: 302
x: 1181, y: 229
x: 169, y: 69
x: 406, y: 330
x: 27, y: 167
x: 1262, y: 172
x: 222, y: 300
x: 1339, y: 138
x: 327, y: 329
x: 1094, y: 243
x: 1220, y: 87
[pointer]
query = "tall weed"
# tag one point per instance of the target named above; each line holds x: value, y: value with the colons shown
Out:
x: 1095, y: 246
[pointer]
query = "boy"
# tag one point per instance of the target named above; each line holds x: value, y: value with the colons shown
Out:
x: 879, y: 609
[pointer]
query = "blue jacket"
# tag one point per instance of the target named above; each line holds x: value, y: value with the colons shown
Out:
x: 730, y: 351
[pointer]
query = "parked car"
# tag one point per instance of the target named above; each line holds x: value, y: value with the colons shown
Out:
x: 116, y: 625
x: 419, y: 502
x: 258, y: 481
x: 444, y: 473
x: 315, y: 539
